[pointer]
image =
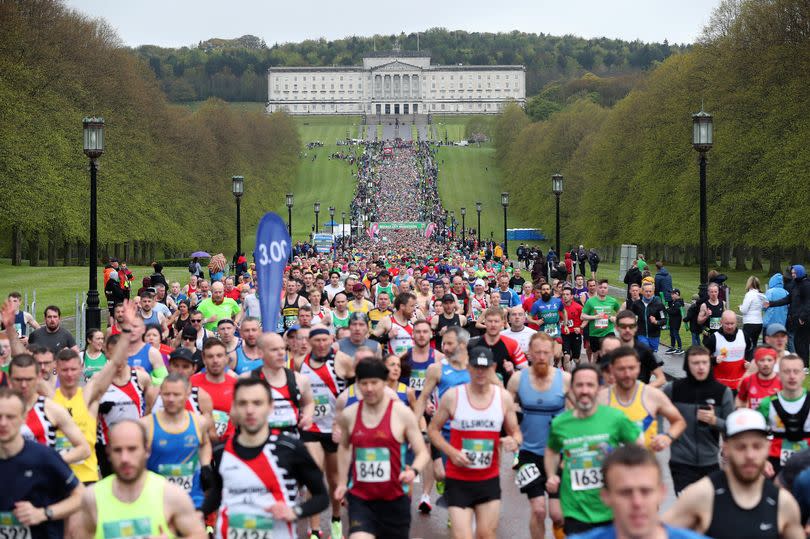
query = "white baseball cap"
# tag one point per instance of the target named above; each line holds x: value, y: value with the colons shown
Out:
x: 745, y: 420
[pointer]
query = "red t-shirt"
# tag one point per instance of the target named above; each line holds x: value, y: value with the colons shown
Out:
x: 234, y: 294
x: 754, y: 389
x: 527, y: 307
x: 574, y: 312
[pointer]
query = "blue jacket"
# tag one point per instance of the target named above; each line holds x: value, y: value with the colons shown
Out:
x: 776, y: 291
x: 663, y: 284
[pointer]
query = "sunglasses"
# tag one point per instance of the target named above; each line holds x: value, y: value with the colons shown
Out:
x: 196, y: 321
x: 189, y: 338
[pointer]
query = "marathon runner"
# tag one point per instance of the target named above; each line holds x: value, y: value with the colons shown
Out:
x: 340, y: 314
x: 177, y: 439
x: 506, y: 351
x: 398, y: 327
x: 540, y: 392
x: 447, y: 318
x: 762, y: 383
x: 247, y: 356
x: 548, y: 313
x: 711, y: 310
x: 218, y: 383
x: 135, y: 502
x: 600, y: 312
x: 739, y: 500
x: 376, y: 430
x: 572, y: 331
x: 293, y: 404
x: 257, y: 474
x: 582, y: 438
x: 477, y: 411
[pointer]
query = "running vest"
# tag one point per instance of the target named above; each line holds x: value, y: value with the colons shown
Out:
x: 636, y: 412
x: 119, y: 402
x: 713, y: 323
x: 153, y: 319
x: 730, y: 521
x: 476, y: 433
x: 221, y: 398
x: 92, y: 366
x: 444, y: 322
x: 192, y: 403
x: 451, y: 377
x: 326, y: 385
x: 245, y: 363
x: 141, y: 359
x: 404, y: 339
x: 539, y: 408
x: 788, y: 424
x: 286, y: 402
x: 176, y: 456
x: 19, y: 324
x: 377, y: 459
x: 338, y: 322
x: 375, y: 315
x: 37, y: 427
x: 87, y: 469
x: 289, y: 312
x: 379, y: 289
x: 479, y: 305
x: 416, y: 380
x: 730, y: 367
x: 249, y: 488
x: 142, y: 518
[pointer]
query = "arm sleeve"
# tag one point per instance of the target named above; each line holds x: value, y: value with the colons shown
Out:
x: 780, y: 302
x: 309, y: 475
x: 746, y: 304
x: 710, y: 343
x: 725, y: 409
x: 213, y: 496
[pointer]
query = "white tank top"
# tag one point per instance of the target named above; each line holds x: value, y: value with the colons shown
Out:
x: 403, y: 340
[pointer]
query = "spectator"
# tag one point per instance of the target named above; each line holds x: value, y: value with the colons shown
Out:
x: 663, y: 282
x: 751, y: 309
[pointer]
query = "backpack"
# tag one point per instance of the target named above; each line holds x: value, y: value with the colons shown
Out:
x: 192, y: 267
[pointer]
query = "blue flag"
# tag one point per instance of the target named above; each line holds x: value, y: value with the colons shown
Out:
x: 273, y: 247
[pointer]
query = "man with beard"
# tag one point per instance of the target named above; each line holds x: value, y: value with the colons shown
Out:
x: 548, y: 313
x: 762, y: 383
x: 585, y: 435
x: 640, y: 402
x: 739, y: 501
x: 247, y: 356
x: 540, y: 390
x: 135, y: 502
x: 705, y: 404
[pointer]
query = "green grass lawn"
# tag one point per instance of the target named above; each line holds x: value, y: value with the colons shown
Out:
x: 253, y: 106
x: 59, y: 285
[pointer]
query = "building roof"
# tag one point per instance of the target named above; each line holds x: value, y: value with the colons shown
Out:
x: 397, y: 54
x: 361, y: 69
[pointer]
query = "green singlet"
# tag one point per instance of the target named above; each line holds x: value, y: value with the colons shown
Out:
x: 340, y: 322
x: 608, y: 306
x: 93, y: 366
x: 140, y: 519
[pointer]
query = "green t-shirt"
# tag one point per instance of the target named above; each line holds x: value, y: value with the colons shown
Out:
x: 227, y: 309
x: 583, y: 444
x: 609, y: 306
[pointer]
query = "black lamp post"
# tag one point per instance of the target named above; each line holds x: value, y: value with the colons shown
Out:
x: 478, y: 209
x: 93, y: 148
x: 343, y: 231
x: 505, y: 204
x: 453, y: 224
x: 702, y: 135
x: 238, y: 189
x: 557, y: 189
x: 317, y: 209
x: 289, y: 219
x: 463, y: 226
x: 332, y: 220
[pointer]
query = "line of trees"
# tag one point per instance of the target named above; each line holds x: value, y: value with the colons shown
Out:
x: 164, y: 179
x: 631, y: 175
x: 235, y: 70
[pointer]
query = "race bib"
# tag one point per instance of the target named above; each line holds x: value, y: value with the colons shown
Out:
x: 478, y: 452
x: 283, y: 415
x: 242, y: 526
x: 551, y: 330
x: 11, y: 528
x: 417, y: 380
x: 714, y: 323
x: 788, y: 448
x: 372, y: 465
x: 601, y: 323
x: 321, y: 405
x: 526, y: 475
x: 220, y: 421
x: 137, y: 528
x: 181, y: 474
x: 586, y: 478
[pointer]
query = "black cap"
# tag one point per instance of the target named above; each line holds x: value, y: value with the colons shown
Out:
x: 182, y: 353
x: 189, y: 331
x: 448, y: 297
x: 676, y: 291
x: 481, y: 356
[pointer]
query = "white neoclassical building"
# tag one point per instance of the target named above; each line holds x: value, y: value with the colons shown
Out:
x: 395, y: 82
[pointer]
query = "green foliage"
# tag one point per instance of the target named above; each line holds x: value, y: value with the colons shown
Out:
x: 234, y: 69
x: 165, y: 168
x: 631, y: 173
x: 539, y: 108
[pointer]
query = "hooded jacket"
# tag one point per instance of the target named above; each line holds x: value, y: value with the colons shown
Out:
x: 663, y: 284
x: 776, y: 291
x: 699, y: 445
x: 798, y: 299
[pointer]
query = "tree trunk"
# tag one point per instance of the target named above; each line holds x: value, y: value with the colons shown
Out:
x: 33, y: 250
x: 16, y: 246
x: 68, y: 254
x: 127, y: 250
x: 52, y: 250
x: 81, y: 252
x: 690, y: 257
x: 775, y: 260
x: 117, y: 251
x: 756, y: 259
x: 153, y: 252
x: 797, y: 256
x: 725, y: 256
x: 739, y: 258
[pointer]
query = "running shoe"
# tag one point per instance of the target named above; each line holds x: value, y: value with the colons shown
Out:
x: 314, y: 534
x: 337, y: 530
x: 424, y: 505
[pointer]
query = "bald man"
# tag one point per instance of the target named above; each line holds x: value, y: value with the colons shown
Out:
x: 727, y: 347
x: 218, y: 307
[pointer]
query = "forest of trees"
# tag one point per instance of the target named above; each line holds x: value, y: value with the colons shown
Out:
x: 235, y: 70
x: 164, y: 178
x: 631, y: 175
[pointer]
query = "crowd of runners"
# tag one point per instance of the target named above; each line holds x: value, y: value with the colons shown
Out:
x: 404, y: 373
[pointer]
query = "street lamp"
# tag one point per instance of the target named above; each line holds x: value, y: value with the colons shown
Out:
x: 93, y: 148
x: 702, y: 131
x: 289, y: 220
x: 505, y: 204
x: 342, y: 231
x: 463, y: 226
x: 453, y: 223
x: 317, y: 208
x: 332, y: 220
x: 557, y: 189
x: 478, y: 209
x: 238, y: 189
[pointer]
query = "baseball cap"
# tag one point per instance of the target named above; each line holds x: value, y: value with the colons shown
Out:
x: 676, y: 291
x: 358, y: 287
x: 181, y: 353
x: 745, y: 420
x: 448, y: 298
x: 481, y: 357
x: 292, y: 329
x: 775, y: 328
x: 189, y: 332
x: 355, y: 316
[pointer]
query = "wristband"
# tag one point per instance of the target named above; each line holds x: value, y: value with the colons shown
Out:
x: 668, y: 435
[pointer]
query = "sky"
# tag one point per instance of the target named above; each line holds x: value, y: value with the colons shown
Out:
x: 175, y: 23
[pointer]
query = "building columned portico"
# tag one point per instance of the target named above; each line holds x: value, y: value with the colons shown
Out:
x: 395, y: 82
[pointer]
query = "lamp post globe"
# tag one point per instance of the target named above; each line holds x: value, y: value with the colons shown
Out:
x: 557, y: 189
x: 238, y: 189
x: 317, y: 208
x: 93, y: 128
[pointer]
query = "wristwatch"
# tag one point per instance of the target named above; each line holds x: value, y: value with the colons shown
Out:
x: 48, y: 513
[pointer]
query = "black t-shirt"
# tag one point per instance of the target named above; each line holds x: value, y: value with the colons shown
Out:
x: 648, y: 361
x: 56, y: 341
x: 37, y: 474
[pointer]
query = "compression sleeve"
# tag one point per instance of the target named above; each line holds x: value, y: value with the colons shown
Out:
x: 158, y: 375
x: 309, y: 475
